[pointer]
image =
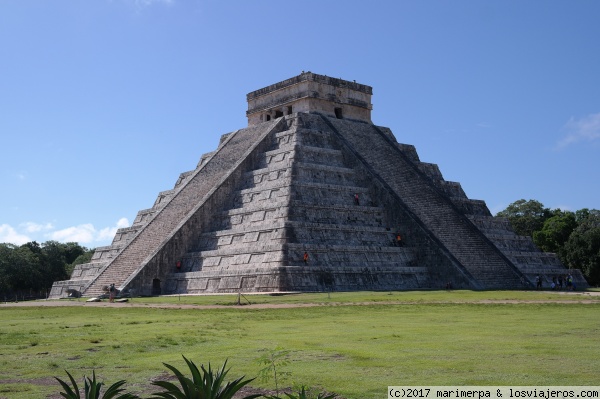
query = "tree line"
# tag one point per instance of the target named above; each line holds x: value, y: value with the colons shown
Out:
x: 573, y: 236
x: 28, y: 270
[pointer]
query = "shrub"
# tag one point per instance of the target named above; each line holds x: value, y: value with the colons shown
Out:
x: 92, y: 389
x: 204, y: 384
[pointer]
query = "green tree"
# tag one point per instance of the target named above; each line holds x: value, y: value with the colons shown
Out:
x: 19, y: 269
x: 526, y: 216
x: 54, y: 261
x: 7, y: 254
x: 33, y: 268
x: 583, y: 214
x: 582, y: 249
x: 85, y: 257
x: 555, y: 231
x: 72, y: 251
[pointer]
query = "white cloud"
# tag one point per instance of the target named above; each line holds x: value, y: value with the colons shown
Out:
x: 87, y: 233
x: 108, y: 233
x: 584, y: 129
x: 10, y: 235
x: 84, y: 233
x: 32, y: 227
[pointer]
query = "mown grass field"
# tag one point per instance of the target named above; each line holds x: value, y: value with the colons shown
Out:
x: 354, y: 344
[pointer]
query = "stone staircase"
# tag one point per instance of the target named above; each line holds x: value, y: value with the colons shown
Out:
x: 443, y: 219
x: 299, y: 199
x: 520, y: 250
x: 523, y: 253
x: 178, y: 203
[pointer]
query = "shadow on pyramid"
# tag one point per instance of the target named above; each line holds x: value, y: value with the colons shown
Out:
x: 312, y: 196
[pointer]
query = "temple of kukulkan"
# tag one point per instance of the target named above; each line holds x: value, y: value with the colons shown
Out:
x: 312, y: 196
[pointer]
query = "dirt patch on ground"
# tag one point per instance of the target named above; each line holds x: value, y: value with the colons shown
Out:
x: 588, y: 297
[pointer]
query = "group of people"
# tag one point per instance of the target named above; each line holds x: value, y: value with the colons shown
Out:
x: 557, y: 283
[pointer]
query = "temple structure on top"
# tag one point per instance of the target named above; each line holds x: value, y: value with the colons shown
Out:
x: 309, y: 93
x: 312, y: 196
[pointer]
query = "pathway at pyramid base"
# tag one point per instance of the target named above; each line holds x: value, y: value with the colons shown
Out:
x: 312, y: 203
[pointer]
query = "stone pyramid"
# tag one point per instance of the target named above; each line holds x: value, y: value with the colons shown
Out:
x: 310, y: 197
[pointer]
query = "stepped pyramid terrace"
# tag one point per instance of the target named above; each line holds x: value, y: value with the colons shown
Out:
x: 311, y: 196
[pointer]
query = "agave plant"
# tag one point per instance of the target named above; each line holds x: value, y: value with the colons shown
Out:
x: 204, y: 384
x: 92, y: 389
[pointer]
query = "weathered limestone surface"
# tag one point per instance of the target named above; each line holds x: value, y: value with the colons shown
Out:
x: 325, y: 182
x: 307, y: 93
x: 300, y: 199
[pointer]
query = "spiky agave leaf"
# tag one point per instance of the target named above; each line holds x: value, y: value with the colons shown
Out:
x: 204, y: 384
x: 69, y: 393
x: 214, y: 388
x: 187, y: 386
x: 196, y: 377
x: 113, y: 391
x: 212, y: 383
x: 172, y: 390
x: 232, y: 387
x: 92, y: 387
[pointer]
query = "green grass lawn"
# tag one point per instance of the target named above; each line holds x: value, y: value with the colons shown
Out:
x: 431, y: 338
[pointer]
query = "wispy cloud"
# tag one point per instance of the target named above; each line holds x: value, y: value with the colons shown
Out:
x: 87, y: 233
x: 586, y: 129
x: 9, y: 235
x: 84, y: 234
x: 32, y: 227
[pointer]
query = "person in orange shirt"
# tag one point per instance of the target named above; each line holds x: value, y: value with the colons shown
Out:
x: 399, y: 240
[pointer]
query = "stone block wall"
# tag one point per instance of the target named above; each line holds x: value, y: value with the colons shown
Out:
x: 309, y: 93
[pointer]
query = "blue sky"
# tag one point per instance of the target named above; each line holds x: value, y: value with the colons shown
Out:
x: 103, y: 103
